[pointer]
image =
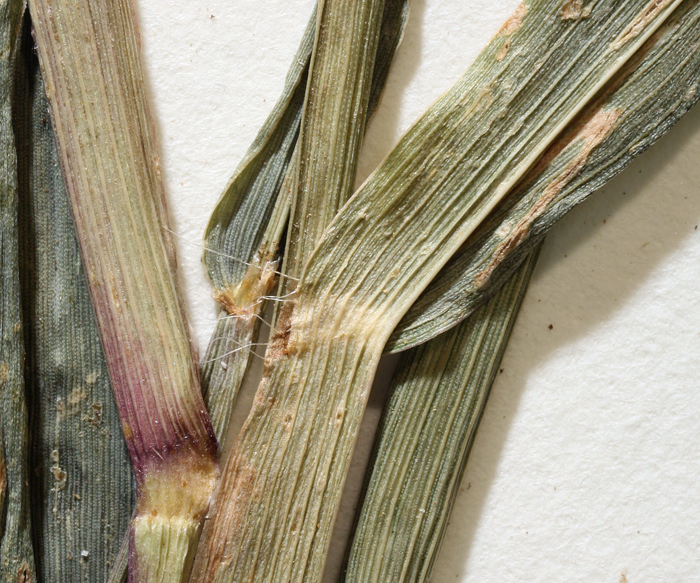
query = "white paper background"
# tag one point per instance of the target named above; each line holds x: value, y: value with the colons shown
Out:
x: 586, y: 463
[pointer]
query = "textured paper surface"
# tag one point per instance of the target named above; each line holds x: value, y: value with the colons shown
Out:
x: 586, y: 464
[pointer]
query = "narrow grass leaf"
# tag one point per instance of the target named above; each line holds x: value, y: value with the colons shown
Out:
x: 333, y: 123
x: 243, y: 236
x: 435, y: 404
x: 647, y: 97
x: 441, y: 386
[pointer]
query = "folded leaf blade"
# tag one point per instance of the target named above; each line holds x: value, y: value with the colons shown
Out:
x: 648, y: 96
x: 16, y: 553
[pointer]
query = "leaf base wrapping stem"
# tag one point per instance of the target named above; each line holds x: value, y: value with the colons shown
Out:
x: 280, y: 490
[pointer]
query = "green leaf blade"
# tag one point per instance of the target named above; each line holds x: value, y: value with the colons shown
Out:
x: 435, y: 404
x: 238, y: 230
x: 649, y: 96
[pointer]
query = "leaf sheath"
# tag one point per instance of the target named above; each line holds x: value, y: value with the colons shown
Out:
x: 82, y: 480
x: 88, y: 53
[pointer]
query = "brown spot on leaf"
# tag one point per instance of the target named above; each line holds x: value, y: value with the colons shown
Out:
x: 59, y: 475
x: 513, y: 23
x: 3, y: 372
x: 96, y: 418
x: 126, y: 429
x: 75, y: 399
x: 637, y: 26
x: 24, y: 574
x: 504, y: 50
x: 574, y: 9
x: 257, y: 282
x: 239, y: 487
x: 589, y: 135
x: 278, y: 346
x: 114, y: 291
x: 3, y: 478
x: 225, y: 297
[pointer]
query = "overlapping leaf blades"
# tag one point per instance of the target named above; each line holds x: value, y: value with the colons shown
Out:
x: 386, y: 282
x: 437, y: 398
x: 89, y: 58
x: 246, y: 228
x: 281, y: 486
x: 431, y: 417
x: 81, y: 484
x: 664, y: 74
